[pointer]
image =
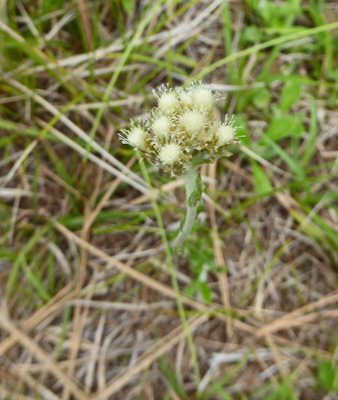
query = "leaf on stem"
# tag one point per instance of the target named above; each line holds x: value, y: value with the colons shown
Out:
x: 197, y: 193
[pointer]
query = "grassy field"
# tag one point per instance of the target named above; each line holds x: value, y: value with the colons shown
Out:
x: 94, y: 305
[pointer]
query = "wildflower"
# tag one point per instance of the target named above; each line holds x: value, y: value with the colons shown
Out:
x: 136, y: 138
x: 161, y: 126
x: 185, y: 98
x: 168, y: 103
x: 179, y: 135
x: 193, y: 122
x: 181, y: 128
x: 225, y: 135
x: 170, y: 154
x: 202, y: 98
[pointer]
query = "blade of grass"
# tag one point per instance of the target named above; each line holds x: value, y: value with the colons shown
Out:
x: 311, y: 137
x: 285, y: 156
x: 261, y: 46
x: 13, y: 277
x: 35, y: 280
x: 145, y: 20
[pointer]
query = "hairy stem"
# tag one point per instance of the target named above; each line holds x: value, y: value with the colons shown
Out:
x: 190, y: 180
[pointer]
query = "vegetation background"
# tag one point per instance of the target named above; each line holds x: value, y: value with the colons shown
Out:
x: 93, y: 304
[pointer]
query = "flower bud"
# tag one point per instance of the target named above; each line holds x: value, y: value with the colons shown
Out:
x: 225, y: 134
x: 136, y: 138
x: 185, y: 98
x: 193, y: 122
x: 170, y: 154
x: 202, y: 99
x: 161, y: 126
x: 167, y: 103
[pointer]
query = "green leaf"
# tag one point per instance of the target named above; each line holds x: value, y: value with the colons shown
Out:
x: 200, y: 159
x: 327, y: 376
x: 285, y: 156
x: 172, y: 379
x: 36, y: 281
x: 197, y: 193
x: 128, y: 5
x: 261, y: 98
x: 12, y: 281
x: 290, y: 95
x: 252, y: 34
x: 7, y: 125
x: 284, y: 127
x: 50, y: 6
x: 283, y: 392
x: 206, y: 292
x: 192, y: 288
x: 200, y: 208
x: 261, y: 181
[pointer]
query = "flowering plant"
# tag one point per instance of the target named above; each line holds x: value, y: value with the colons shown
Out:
x: 179, y: 135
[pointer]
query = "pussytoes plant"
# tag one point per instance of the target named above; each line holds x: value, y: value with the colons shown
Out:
x: 179, y: 135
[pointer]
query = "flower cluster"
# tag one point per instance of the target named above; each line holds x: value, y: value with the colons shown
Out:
x: 182, y: 128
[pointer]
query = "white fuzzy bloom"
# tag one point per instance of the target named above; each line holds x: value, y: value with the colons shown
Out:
x: 225, y: 134
x: 136, y: 138
x: 170, y: 154
x: 193, y: 122
x: 161, y: 126
x: 183, y: 128
x: 168, y: 102
x: 202, y: 98
x: 185, y: 98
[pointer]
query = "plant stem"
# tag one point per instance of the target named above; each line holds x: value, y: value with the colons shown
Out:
x: 190, y: 180
x: 180, y: 306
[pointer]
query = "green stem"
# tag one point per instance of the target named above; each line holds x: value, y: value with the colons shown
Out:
x: 190, y: 180
x: 180, y: 306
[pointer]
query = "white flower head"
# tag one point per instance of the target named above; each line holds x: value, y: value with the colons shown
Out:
x: 136, y: 138
x: 182, y: 128
x: 193, y: 122
x: 170, y: 154
x: 202, y: 98
x: 168, y: 103
x: 161, y: 126
x: 225, y: 134
x: 185, y: 98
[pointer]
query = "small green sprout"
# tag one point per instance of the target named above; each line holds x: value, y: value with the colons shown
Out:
x: 179, y: 135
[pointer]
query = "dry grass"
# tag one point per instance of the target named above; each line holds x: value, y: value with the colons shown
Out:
x: 88, y: 306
